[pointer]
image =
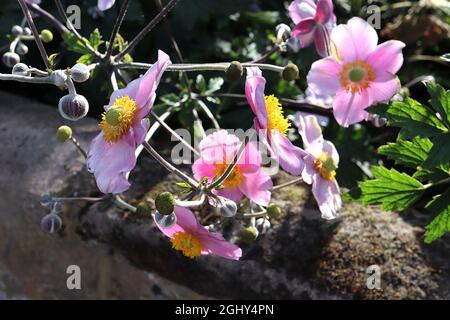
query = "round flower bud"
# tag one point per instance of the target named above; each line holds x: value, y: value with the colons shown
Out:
x: 59, y: 78
x: 46, y: 35
x: 165, y: 203
x: 143, y: 209
x: 80, y: 72
x: 64, y: 133
x: 274, y: 211
x: 73, y: 107
x: 46, y: 199
x: 10, y: 59
x: 283, y: 32
x: 21, y: 49
x: 290, y: 72
x: 228, y: 208
x: 51, y: 223
x: 263, y: 225
x: 16, y: 30
x: 21, y: 69
x: 164, y: 220
x: 234, y: 71
x: 248, y: 235
x: 27, y: 31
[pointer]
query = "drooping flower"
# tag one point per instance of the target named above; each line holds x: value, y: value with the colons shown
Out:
x: 217, y: 151
x: 104, y: 5
x: 111, y: 154
x: 320, y: 167
x: 314, y: 21
x: 193, y: 239
x: 360, y: 73
x: 271, y: 124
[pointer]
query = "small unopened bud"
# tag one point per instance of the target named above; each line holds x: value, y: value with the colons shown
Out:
x: 228, y: 208
x: 16, y: 30
x: 165, y: 203
x: 80, y: 72
x: 64, y: 133
x: 274, y: 211
x: 290, y: 72
x: 10, y: 59
x: 248, y: 235
x: 51, y: 223
x: 263, y: 225
x: 73, y: 107
x: 234, y: 71
x: 46, y: 199
x: 21, y: 49
x: 59, y: 78
x: 143, y: 209
x: 27, y: 31
x: 283, y: 32
x: 46, y: 35
x: 21, y: 69
x: 165, y: 220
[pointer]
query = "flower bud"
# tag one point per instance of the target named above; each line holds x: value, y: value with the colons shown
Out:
x: 21, y: 69
x: 283, y: 32
x: 46, y: 199
x: 234, y: 71
x: 46, y: 35
x: 165, y: 203
x: 290, y: 72
x: 21, y: 49
x: 165, y: 220
x: 59, y: 78
x: 73, y: 107
x: 10, y: 59
x: 274, y: 211
x: 51, y: 223
x: 16, y: 30
x: 80, y: 72
x: 228, y: 208
x: 143, y: 209
x: 248, y: 235
x: 27, y: 31
x: 262, y: 225
x: 64, y: 133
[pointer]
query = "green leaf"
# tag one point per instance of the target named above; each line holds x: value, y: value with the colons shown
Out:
x: 214, y: 84
x: 73, y: 44
x: 52, y: 58
x: 441, y: 223
x: 440, y: 152
x: 95, y: 39
x: 409, y: 153
x: 170, y: 99
x: 200, y: 83
x: 390, y: 188
x: 440, y: 101
x: 86, y: 59
x: 431, y: 175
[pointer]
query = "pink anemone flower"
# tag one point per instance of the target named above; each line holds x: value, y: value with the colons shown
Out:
x: 193, y: 239
x: 313, y: 22
x: 217, y: 150
x: 271, y: 124
x: 320, y: 167
x: 111, y: 154
x: 360, y: 73
x: 104, y: 5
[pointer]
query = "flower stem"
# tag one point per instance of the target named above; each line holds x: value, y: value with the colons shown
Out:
x: 46, y: 15
x: 287, y: 184
x: 78, y: 146
x: 116, y: 28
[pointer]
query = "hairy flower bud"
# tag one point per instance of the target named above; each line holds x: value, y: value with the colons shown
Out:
x: 262, y: 225
x: 290, y: 72
x: 164, y: 220
x: 234, y: 71
x: 21, y: 49
x: 21, y: 69
x: 228, y: 208
x: 10, y: 59
x: 27, y: 31
x: 165, y: 203
x: 46, y: 35
x: 59, y: 78
x: 274, y: 211
x: 63, y: 133
x: 248, y: 235
x: 51, y: 223
x: 16, y: 30
x: 143, y: 209
x: 46, y: 199
x: 80, y: 72
x: 283, y: 32
x: 73, y: 107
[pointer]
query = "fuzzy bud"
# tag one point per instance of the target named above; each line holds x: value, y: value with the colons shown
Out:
x: 228, y: 208
x: 283, y: 32
x: 10, y: 59
x: 73, y: 107
x: 46, y: 36
x: 80, y: 72
x: 46, y: 199
x: 234, y: 71
x: 165, y: 203
x: 59, y: 78
x: 143, y: 209
x: 51, y: 223
x: 21, y: 69
x: 291, y: 72
x: 27, y: 31
x: 262, y: 225
x: 21, y: 49
x: 274, y: 211
x: 16, y: 30
x: 164, y: 220
x: 248, y: 235
x: 63, y: 133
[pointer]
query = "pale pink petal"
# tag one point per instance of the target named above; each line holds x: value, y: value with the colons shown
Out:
x: 301, y: 9
x: 350, y: 108
x: 387, y: 58
x: 214, y: 243
x: 234, y: 194
x: 202, y: 169
x: 327, y: 196
x: 289, y: 156
x: 310, y: 170
x: 254, y: 90
x: 324, y: 11
x: 140, y: 129
x: 323, y: 78
x: 186, y: 222
x: 104, y: 5
x: 383, y: 91
x: 305, y: 31
x: 321, y: 36
x: 219, y: 147
x: 329, y: 148
x: 309, y: 129
x: 256, y: 186
x: 250, y: 160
